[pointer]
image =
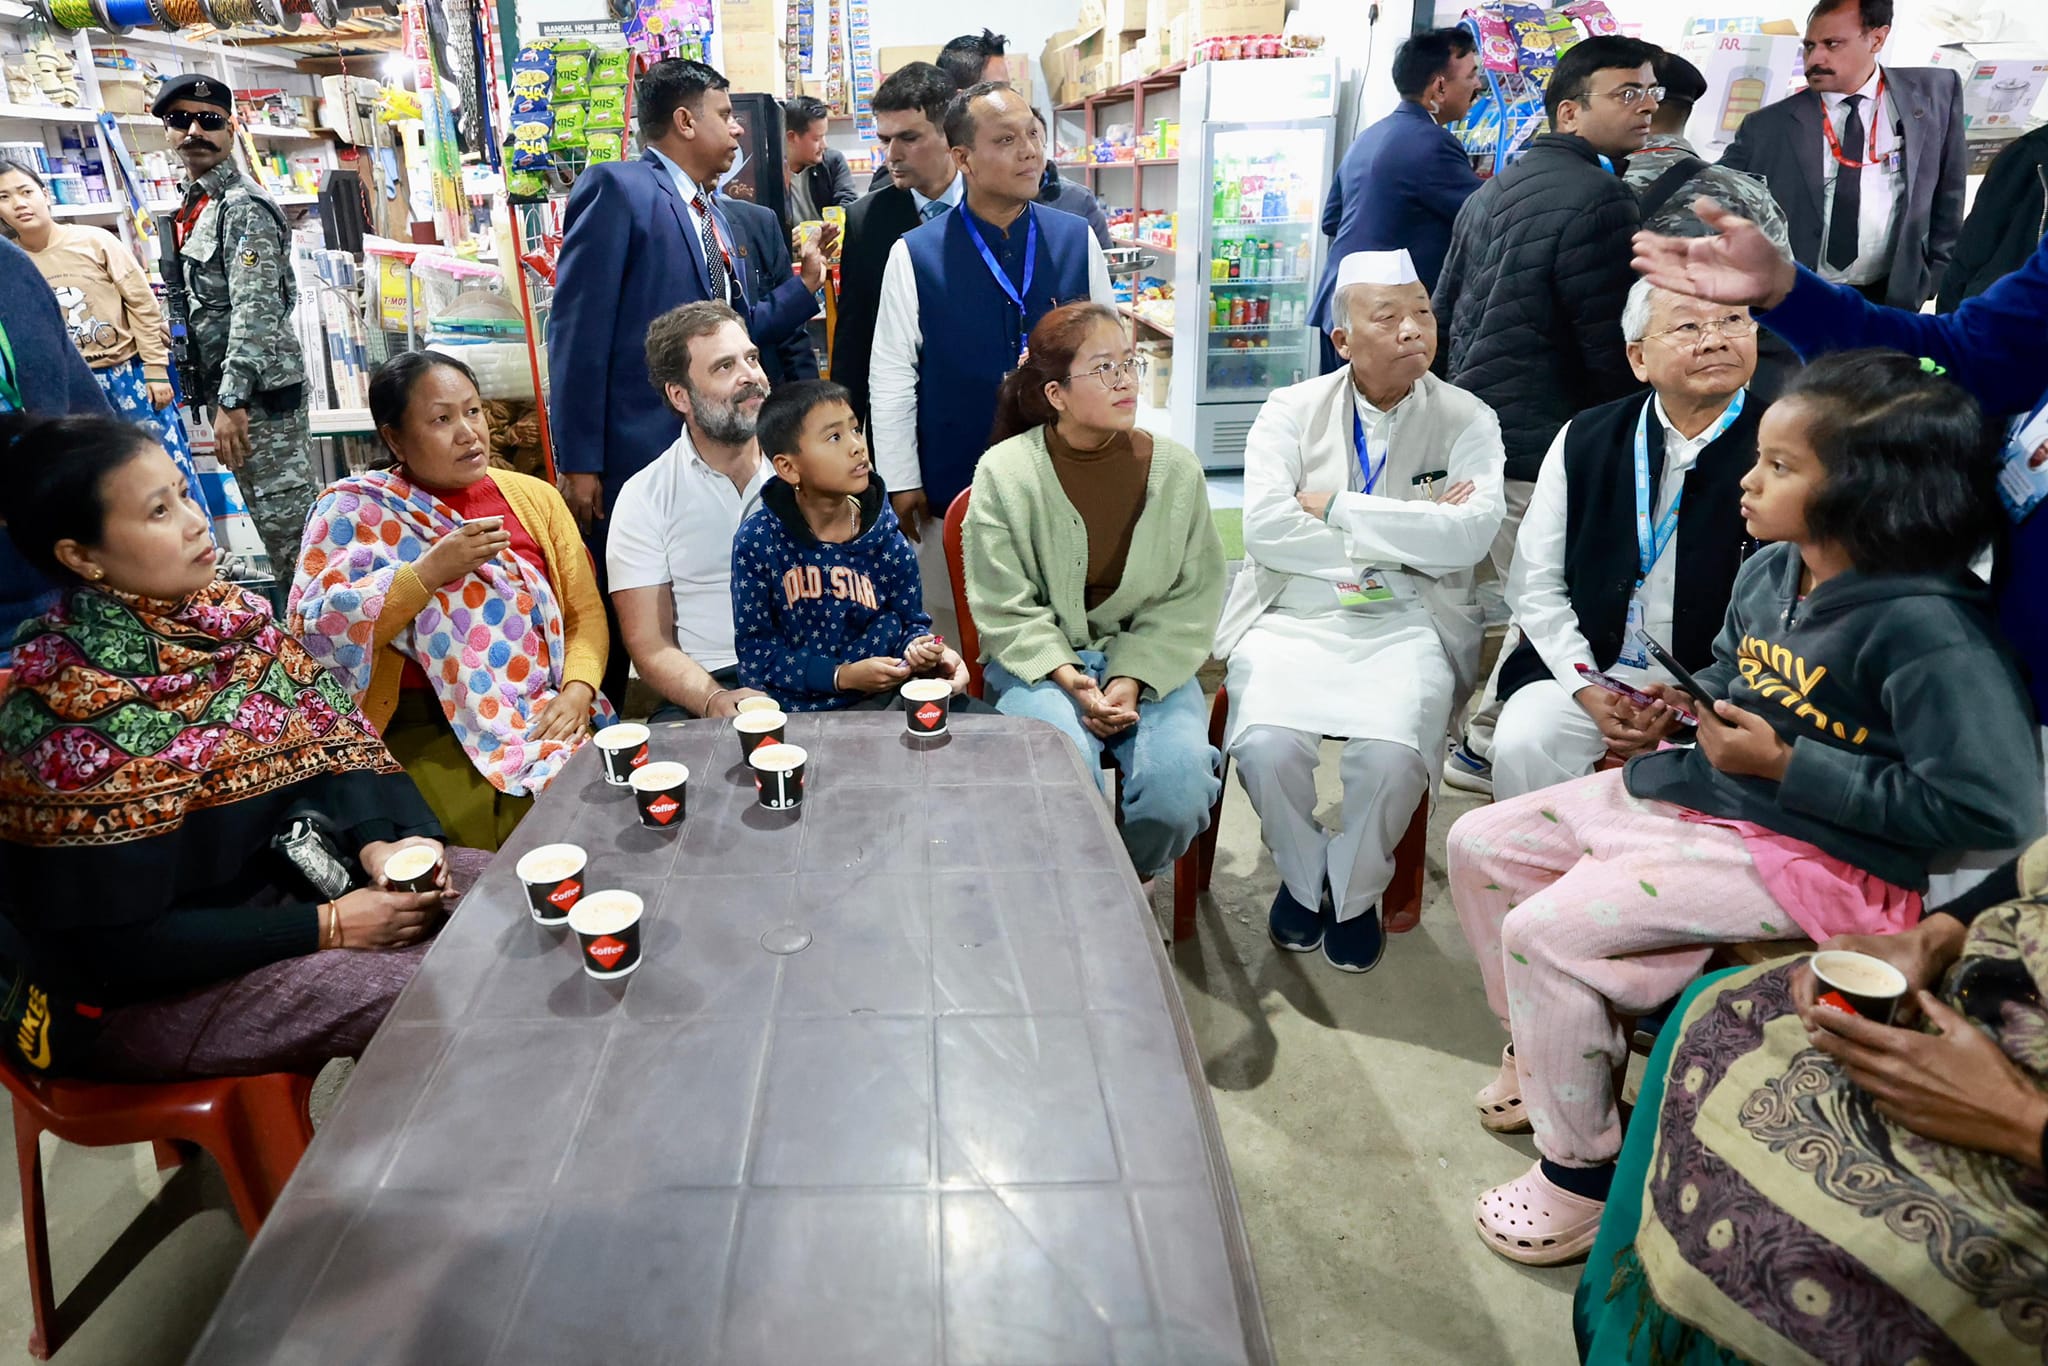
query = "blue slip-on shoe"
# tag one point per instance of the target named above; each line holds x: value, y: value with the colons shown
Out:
x: 1293, y: 926
x: 1355, y: 945
x: 1468, y: 772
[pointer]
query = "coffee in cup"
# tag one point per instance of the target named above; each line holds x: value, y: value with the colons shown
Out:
x: 779, y: 775
x: 1859, y: 983
x: 758, y: 728
x: 658, y: 791
x: 553, y: 878
x: 924, y: 705
x: 747, y: 704
x: 411, y: 869
x: 624, y: 748
x: 925, y: 701
x: 607, y: 926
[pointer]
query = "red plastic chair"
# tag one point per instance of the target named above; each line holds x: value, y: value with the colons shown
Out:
x: 1400, y: 904
x: 1191, y: 869
x: 256, y: 1128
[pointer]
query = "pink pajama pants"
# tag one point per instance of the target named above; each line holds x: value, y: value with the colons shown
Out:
x: 1580, y: 901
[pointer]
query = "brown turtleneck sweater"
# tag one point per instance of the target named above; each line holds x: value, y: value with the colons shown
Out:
x: 1107, y: 487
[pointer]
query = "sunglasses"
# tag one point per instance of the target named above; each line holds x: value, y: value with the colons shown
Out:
x: 181, y: 119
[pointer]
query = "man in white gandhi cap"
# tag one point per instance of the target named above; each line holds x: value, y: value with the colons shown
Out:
x: 1370, y: 494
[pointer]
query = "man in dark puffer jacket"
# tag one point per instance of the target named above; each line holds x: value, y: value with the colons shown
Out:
x: 1538, y: 271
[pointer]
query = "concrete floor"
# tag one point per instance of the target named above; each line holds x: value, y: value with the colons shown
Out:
x: 1345, y: 1103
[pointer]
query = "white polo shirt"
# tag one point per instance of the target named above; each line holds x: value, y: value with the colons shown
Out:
x: 673, y: 523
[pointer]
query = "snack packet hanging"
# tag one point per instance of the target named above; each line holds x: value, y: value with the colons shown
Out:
x: 607, y: 109
x: 572, y: 76
x: 610, y: 66
x: 569, y: 126
x: 533, y: 74
x: 530, y: 133
x: 602, y: 147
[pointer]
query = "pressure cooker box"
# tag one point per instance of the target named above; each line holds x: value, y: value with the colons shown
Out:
x: 2001, y: 82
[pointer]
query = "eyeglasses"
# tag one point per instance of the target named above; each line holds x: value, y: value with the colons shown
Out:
x: 1692, y: 336
x: 1113, y: 374
x: 1633, y: 95
x: 181, y: 119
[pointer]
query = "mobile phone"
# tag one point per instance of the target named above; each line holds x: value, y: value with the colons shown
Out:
x: 1635, y: 695
x: 1685, y: 679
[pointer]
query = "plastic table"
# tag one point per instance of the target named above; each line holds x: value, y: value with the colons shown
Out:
x: 967, y: 1123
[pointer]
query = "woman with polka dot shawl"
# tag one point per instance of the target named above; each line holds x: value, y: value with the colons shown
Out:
x: 457, y: 602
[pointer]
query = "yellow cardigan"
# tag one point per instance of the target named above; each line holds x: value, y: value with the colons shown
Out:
x: 586, y: 638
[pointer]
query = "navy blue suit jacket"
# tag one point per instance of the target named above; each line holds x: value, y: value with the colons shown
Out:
x: 628, y: 256
x: 1401, y: 185
x: 764, y: 264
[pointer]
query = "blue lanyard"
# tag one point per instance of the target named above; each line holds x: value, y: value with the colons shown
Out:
x: 1651, y: 545
x: 1371, y: 472
x: 1606, y: 162
x: 995, y: 268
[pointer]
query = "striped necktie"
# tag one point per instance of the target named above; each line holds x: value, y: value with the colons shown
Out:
x: 933, y: 208
x: 714, y: 257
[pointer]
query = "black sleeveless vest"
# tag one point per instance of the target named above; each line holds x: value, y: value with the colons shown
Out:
x: 1601, y: 558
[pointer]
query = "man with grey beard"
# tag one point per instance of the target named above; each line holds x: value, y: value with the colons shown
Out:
x: 669, y: 556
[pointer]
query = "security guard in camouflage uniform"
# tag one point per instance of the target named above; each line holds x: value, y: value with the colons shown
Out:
x: 233, y: 249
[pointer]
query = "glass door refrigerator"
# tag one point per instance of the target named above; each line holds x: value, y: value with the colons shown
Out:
x: 1251, y: 243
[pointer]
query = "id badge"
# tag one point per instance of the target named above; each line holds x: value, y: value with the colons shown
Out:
x: 1632, y: 652
x: 2023, y: 465
x: 1368, y: 588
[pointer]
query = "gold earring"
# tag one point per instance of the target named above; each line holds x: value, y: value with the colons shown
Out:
x: 97, y: 574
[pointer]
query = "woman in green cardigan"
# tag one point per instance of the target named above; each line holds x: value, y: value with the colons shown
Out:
x: 1095, y: 575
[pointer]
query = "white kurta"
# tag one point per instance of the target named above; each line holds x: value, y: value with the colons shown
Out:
x: 1379, y: 670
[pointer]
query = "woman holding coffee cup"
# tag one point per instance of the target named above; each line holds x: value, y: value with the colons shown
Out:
x: 175, y: 774
x: 457, y: 602
x: 1893, y: 1174
x: 1864, y: 721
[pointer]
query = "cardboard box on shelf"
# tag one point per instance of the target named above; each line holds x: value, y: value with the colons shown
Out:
x: 1058, y: 61
x: 121, y: 92
x: 1745, y: 72
x: 1160, y: 14
x: 2001, y: 82
x: 748, y: 30
x: 1223, y: 18
x: 1123, y: 16
x: 1180, y: 39
x: 889, y: 60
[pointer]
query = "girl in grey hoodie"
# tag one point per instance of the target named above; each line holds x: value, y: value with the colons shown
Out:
x: 1863, y: 719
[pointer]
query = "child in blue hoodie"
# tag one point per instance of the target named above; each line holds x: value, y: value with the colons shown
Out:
x: 827, y: 607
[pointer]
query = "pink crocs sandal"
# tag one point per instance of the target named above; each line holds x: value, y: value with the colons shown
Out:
x: 1533, y: 1221
x: 1500, y: 1100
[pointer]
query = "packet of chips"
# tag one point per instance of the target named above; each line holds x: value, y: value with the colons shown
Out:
x: 530, y: 133
x: 533, y: 74
x: 602, y: 147
x: 607, y: 109
x: 569, y: 122
x: 526, y: 186
x: 572, y: 76
x: 611, y: 66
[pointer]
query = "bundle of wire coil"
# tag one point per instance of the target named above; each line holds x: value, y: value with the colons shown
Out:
x: 118, y: 16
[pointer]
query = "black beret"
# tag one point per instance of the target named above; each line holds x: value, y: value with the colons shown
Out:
x: 205, y: 89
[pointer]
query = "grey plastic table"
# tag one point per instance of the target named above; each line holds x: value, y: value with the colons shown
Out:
x: 966, y: 1124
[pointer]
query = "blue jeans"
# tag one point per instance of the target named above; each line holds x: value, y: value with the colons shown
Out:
x: 1171, y: 772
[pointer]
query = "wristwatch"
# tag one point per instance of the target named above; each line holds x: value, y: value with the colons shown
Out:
x: 228, y: 402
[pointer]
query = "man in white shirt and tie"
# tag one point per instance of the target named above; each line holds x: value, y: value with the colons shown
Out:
x: 1867, y: 162
x: 1635, y: 529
